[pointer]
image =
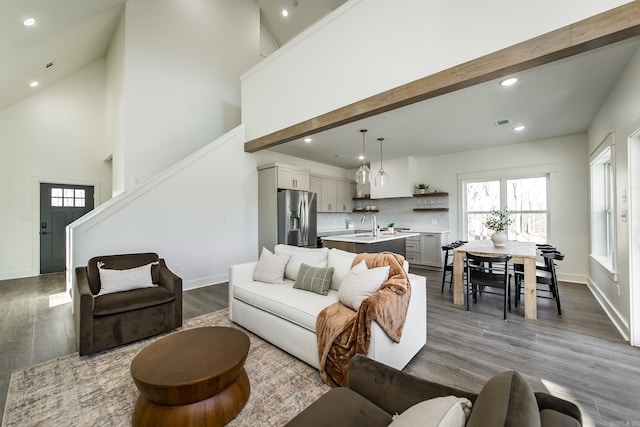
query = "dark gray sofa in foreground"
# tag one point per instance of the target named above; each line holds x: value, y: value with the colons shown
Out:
x: 106, y: 321
x: 377, y: 391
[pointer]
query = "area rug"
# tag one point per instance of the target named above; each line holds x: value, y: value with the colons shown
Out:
x: 98, y: 390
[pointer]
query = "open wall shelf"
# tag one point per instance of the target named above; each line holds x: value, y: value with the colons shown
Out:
x: 436, y: 194
x: 431, y: 209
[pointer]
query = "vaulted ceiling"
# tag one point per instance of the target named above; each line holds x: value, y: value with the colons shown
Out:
x: 555, y: 99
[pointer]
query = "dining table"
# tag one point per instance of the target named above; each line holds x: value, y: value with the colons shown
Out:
x: 521, y: 253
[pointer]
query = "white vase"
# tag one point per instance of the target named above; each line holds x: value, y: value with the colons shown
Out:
x: 391, y: 230
x: 498, y: 238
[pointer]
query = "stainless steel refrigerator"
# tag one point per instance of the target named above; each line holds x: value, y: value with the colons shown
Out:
x: 297, y: 222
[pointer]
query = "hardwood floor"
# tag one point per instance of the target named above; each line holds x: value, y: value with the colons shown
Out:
x: 579, y: 356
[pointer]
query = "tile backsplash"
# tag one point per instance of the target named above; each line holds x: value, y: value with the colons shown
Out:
x: 399, y: 211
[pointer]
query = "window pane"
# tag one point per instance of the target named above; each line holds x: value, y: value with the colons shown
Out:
x: 528, y: 227
x: 56, y: 192
x: 483, y: 196
x: 68, y: 201
x: 79, y: 203
x: 475, y: 227
x: 56, y: 201
x: 528, y: 194
x: 79, y: 194
x: 68, y: 192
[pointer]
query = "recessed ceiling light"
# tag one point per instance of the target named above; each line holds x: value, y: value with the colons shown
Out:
x: 519, y: 128
x: 34, y: 83
x: 285, y: 12
x: 29, y: 22
x: 509, y: 82
x: 308, y: 140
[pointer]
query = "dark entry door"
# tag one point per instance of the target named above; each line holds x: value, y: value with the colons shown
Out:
x: 60, y: 205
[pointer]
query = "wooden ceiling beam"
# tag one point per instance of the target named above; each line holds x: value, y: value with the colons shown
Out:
x: 600, y: 30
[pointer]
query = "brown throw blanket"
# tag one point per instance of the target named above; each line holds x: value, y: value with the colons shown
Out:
x: 343, y: 332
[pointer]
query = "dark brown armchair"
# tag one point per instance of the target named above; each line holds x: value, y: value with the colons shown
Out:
x: 105, y: 321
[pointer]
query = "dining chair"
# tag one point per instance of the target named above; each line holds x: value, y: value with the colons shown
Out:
x: 447, y: 268
x: 487, y: 274
x: 546, y: 276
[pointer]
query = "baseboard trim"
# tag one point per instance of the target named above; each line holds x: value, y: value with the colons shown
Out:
x: 610, y: 311
x: 573, y: 278
x: 204, y: 282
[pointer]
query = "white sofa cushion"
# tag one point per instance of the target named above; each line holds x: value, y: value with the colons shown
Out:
x: 341, y: 262
x: 311, y: 256
x: 271, y: 267
x: 361, y: 283
x: 295, y: 305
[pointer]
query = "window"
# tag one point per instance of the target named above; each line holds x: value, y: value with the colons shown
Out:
x: 601, y: 171
x: 68, y: 197
x: 525, y: 197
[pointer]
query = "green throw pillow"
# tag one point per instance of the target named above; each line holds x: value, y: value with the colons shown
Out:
x: 314, y: 279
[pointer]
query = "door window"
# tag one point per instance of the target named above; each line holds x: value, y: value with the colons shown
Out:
x: 68, y: 197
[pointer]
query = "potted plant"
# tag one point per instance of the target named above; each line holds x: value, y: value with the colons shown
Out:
x: 422, y: 187
x: 390, y: 228
x: 498, y: 221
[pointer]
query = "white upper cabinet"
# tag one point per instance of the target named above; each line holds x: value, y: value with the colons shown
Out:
x: 334, y: 195
x: 315, y: 186
x: 401, y: 172
x: 293, y: 179
x: 344, y: 198
x: 329, y: 195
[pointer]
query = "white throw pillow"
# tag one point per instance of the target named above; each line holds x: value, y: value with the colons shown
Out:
x: 311, y: 256
x: 448, y: 411
x: 125, y: 280
x: 341, y: 262
x: 270, y: 267
x: 360, y: 283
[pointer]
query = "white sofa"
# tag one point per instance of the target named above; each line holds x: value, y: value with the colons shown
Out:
x: 286, y: 317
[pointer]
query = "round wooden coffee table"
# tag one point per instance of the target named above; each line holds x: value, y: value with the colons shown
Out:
x: 194, y: 377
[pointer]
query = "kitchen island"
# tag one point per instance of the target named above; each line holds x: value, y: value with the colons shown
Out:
x: 367, y: 242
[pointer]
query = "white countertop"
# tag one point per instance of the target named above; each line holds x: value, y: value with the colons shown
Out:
x: 383, y: 236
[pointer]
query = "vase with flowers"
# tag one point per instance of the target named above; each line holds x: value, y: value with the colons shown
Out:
x: 498, y: 221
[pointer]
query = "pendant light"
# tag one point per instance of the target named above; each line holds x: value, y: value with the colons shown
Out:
x: 382, y: 179
x: 363, y: 174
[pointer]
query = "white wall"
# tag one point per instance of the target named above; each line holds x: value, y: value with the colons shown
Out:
x: 565, y: 159
x: 56, y: 135
x: 201, y: 214
x: 621, y: 114
x: 366, y: 47
x: 114, y: 114
x: 267, y: 44
x: 181, y: 63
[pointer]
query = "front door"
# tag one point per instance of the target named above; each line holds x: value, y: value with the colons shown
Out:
x: 60, y: 205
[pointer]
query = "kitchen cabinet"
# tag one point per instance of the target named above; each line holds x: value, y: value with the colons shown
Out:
x: 427, y: 249
x: 329, y: 195
x: 412, y: 250
x: 315, y: 186
x: 344, y: 197
x: 293, y: 179
x: 334, y: 195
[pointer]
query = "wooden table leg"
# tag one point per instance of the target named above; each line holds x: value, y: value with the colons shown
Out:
x: 458, y: 268
x: 530, y: 303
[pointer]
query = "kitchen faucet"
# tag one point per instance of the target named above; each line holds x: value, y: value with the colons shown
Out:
x: 374, y: 230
